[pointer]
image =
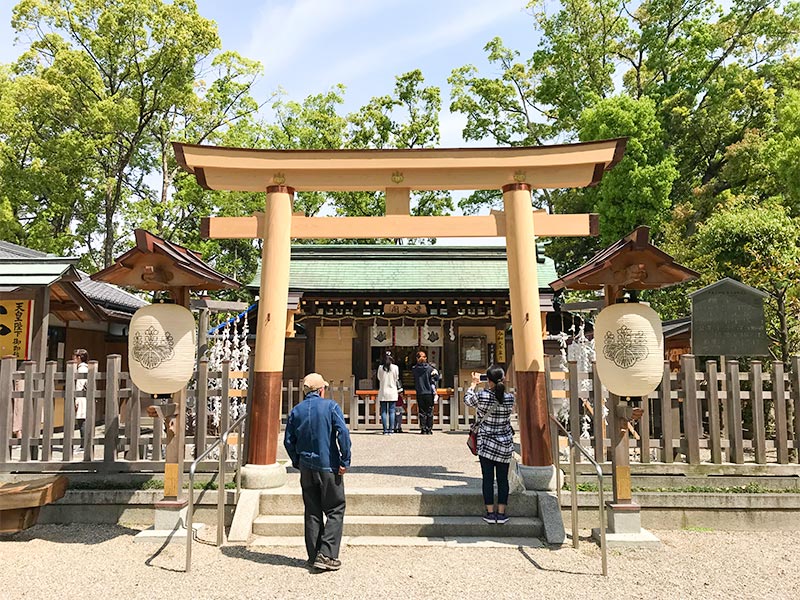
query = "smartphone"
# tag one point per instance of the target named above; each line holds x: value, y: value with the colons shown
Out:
x: 484, y: 377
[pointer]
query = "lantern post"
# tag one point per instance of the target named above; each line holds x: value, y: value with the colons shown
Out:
x: 162, y: 353
x: 630, y: 356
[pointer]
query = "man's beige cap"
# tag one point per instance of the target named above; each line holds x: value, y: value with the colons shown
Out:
x: 313, y: 382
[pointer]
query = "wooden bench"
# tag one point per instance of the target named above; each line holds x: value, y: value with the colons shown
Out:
x: 20, y: 502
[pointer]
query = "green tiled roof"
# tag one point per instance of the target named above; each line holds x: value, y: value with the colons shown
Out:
x: 362, y: 268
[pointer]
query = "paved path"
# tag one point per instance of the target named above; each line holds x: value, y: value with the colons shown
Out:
x: 407, y: 460
x: 89, y: 561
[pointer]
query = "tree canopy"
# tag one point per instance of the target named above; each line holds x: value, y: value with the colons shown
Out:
x: 707, y: 93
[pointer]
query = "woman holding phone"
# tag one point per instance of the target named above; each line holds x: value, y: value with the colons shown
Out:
x: 495, y: 437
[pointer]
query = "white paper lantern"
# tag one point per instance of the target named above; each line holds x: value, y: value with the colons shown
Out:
x: 161, y: 348
x: 630, y: 349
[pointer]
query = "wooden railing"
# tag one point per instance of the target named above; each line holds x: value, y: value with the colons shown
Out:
x: 707, y: 416
x: 38, y: 417
x: 695, y: 416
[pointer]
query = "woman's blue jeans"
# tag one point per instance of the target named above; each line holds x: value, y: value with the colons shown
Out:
x: 387, y: 416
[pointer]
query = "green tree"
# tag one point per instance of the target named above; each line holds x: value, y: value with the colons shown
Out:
x: 758, y: 244
x: 116, y: 68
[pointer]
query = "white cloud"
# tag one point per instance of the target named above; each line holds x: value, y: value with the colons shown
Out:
x: 286, y: 30
x: 429, y: 37
x: 309, y: 45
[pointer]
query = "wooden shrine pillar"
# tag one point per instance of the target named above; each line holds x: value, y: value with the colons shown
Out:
x: 526, y: 326
x: 265, y: 416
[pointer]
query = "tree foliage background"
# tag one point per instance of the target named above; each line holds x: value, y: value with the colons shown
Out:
x: 707, y: 93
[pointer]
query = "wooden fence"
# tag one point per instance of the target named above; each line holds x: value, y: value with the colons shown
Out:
x: 696, y: 416
x: 38, y: 417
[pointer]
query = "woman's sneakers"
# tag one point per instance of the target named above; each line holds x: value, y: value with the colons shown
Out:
x: 495, y: 517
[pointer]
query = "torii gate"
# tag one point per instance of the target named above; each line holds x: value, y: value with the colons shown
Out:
x: 396, y: 172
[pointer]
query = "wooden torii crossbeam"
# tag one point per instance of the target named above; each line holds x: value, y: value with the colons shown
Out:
x: 396, y: 172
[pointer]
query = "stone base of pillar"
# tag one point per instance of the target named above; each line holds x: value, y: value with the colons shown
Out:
x: 169, y: 523
x: 624, y: 529
x: 540, y: 479
x: 261, y: 477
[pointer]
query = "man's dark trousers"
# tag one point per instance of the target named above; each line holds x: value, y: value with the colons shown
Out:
x: 425, y: 405
x: 323, y: 492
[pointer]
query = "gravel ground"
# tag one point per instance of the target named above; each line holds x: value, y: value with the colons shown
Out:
x: 91, y: 561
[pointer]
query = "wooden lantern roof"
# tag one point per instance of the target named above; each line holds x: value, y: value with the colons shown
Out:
x: 157, y: 264
x: 631, y: 263
x: 253, y: 170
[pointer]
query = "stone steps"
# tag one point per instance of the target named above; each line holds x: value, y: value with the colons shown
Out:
x: 406, y: 526
x: 402, y: 513
x: 448, y: 501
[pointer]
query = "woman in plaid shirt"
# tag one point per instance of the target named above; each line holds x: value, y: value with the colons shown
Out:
x: 495, y: 438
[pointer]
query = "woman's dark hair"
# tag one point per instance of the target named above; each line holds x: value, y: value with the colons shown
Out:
x: 387, y: 361
x: 496, y: 375
x: 82, y: 355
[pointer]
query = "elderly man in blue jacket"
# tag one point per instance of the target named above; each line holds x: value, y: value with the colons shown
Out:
x: 318, y: 442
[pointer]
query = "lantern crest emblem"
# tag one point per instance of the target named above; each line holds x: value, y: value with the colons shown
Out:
x: 626, y: 348
x: 150, y: 349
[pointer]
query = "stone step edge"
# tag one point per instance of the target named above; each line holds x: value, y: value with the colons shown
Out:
x: 391, y: 491
x: 399, y: 520
x: 407, y: 541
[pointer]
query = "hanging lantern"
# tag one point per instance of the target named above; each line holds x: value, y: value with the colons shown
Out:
x: 161, y: 348
x: 630, y: 349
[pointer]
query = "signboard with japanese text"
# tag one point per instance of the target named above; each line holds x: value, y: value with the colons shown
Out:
x: 405, y: 309
x: 500, y: 345
x: 728, y: 320
x: 15, y: 328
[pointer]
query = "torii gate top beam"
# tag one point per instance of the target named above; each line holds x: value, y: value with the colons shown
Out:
x: 253, y: 170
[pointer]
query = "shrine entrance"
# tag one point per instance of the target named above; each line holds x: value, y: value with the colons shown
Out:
x: 516, y: 171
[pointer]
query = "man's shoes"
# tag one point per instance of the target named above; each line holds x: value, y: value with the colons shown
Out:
x: 324, y: 563
x: 501, y: 518
x: 489, y: 517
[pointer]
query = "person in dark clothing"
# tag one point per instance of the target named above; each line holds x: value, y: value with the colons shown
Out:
x: 425, y: 380
x: 318, y: 443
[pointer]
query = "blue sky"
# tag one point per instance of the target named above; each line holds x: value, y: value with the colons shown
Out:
x: 307, y: 46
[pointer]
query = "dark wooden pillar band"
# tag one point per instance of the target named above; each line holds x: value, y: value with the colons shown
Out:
x: 510, y: 187
x: 277, y: 189
x: 534, y: 419
x: 265, y: 418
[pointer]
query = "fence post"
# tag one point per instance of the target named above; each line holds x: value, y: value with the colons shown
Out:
x: 757, y: 403
x: 734, y: 413
x: 69, y: 409
x: 779, y: 402
x: 644, y: 431
x: 91, y: 411
x: 599, y: 420
x: 201, y: 408
x: 548, y: 387
x: 691, y: 427
x: 134, y: 414
x: 28, y: 411
x: 7, y: 364
x: 712, y: 399
x: 665, y: 393
x: 574, y: 405
x: 111, y: 434
x: 225, y: 403
x: 49, y: 406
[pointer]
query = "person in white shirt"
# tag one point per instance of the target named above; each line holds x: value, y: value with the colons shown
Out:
x: 82, y: 357
x: 388, y: 389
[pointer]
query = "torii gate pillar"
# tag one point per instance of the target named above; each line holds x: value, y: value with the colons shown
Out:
x: 262, y: 469
x: 526, y: 326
